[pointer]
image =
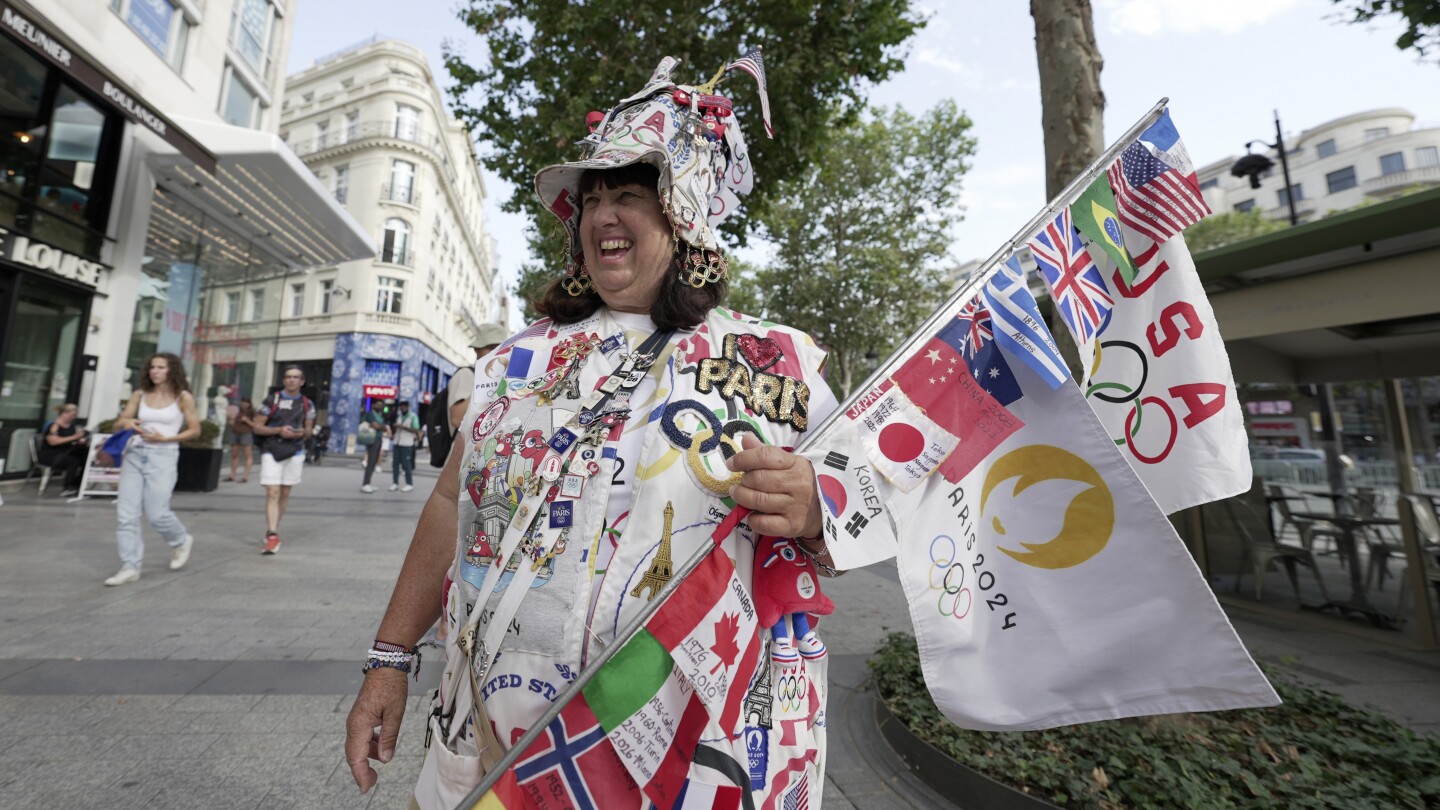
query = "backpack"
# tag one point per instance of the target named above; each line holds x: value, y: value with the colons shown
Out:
x: 282, y: 449
x: 437, y: 431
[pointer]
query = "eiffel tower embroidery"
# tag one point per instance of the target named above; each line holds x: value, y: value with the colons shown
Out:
x: 758, y: 701
x: 659, y: 572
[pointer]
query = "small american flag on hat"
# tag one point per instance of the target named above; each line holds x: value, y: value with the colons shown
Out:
x: 754, y: 64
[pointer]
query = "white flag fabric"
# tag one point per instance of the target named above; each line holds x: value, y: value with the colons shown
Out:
x: 1160, y: 380
x: 1045, y: 585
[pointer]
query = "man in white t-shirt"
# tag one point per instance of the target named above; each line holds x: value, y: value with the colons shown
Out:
x: 407, y: 435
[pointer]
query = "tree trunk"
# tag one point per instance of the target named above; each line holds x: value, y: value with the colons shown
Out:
x: 1072, y: 110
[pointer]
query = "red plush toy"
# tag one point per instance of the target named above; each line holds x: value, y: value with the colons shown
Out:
x: 787, y: 584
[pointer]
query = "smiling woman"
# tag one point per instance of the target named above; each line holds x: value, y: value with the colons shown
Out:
x: 603, y: 451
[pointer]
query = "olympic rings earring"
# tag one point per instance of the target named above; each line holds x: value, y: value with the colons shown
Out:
x: 577, y: 280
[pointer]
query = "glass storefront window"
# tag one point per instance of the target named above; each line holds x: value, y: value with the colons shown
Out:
x: 57, y: 156
x: 38, y: 363
x: 209, y: 297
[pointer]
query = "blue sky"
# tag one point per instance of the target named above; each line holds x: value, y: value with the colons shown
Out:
x: 1225, y: 64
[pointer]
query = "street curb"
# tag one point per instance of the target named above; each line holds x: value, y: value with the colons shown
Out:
x: 960, y: 784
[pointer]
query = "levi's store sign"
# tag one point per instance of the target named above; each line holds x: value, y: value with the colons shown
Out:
x: 382, y: 391
x: 23, y: 251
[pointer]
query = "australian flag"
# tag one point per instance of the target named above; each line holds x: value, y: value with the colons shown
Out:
x: 982, y: 353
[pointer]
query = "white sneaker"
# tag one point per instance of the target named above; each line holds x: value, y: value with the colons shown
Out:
x: 406, y: 488
x: 127, y: 573
x: 181, y: 554
x: 394, y: 487
x: 367, y: 489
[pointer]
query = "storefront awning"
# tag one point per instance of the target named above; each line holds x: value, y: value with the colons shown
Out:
x: 262, y: 191
x: 1350, y: 297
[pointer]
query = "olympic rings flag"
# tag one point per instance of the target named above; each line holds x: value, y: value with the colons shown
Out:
x: 1046, y: 586
x: 1157, y: 373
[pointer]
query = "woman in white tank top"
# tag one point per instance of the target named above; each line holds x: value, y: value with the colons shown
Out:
x: 162, y: 413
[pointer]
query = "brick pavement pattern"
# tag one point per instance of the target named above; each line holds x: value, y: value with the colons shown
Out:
x: 226, y: 684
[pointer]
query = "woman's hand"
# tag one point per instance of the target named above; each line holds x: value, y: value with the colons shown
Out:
x: 381, y: 703
x: 779, y: 488
x: 151, y: 437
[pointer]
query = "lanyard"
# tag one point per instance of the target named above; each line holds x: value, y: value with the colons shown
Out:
x: 596, y: 425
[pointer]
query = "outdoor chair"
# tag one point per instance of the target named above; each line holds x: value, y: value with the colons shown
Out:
x: 35, y: 465
x: 1262, y: 550
x: 1308, y: 530
x: 1427, y: 531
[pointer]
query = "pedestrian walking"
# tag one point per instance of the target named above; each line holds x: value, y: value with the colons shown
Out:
x: 242, y: 439
x: 65, y: 448
x: 285, y: 418
x: 372, y: 433
x: 162, y: 413
x: 406, y: 436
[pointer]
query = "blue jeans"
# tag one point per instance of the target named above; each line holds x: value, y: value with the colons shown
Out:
x: 403, y: 458
x: 147, y: 477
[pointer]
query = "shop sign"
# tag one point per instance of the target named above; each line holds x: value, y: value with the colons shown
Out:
x: 47, y: 46
x: 382, y: 391
x: 22, y: 250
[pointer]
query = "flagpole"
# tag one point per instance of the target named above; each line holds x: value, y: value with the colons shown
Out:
x: 988, y: 269
x: 991, y: 266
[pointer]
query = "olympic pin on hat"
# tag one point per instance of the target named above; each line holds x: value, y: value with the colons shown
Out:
x: 689, y: 133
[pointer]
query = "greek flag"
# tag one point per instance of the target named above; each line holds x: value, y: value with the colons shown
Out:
x: 1018, y: 327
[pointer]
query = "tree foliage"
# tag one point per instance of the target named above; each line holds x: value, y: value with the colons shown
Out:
x: 1421, y: 19
x: 861, y: 234
x: 1231, y: 226
x: 550, y: 62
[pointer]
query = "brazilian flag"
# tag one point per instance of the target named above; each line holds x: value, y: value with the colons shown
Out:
x: 1094, y: 214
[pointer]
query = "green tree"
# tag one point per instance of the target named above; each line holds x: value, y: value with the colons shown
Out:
x: 1231, y: 226
x: 549, y: 62
x: 860, y: 236
x: 1420, y: 17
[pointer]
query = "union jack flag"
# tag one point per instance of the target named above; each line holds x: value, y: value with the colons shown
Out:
x: 1074, y: 281
x: 976, y: 319
x: 754, y: 64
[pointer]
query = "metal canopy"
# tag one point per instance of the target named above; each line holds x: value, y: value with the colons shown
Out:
x: 263, y: 192
x: 1352, y: 297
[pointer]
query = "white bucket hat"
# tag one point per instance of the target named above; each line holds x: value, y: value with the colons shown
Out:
x: 691, y: 136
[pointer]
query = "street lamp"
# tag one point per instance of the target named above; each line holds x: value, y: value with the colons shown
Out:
x: 1252, y: 166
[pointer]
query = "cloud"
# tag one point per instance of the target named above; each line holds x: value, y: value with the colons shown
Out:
x: 929, y: 56
x: 1151, y: 18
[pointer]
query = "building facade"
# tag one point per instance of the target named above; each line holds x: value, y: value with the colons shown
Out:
x: 1359, y: 158
x: 142, y: 182
x: 370, y: 122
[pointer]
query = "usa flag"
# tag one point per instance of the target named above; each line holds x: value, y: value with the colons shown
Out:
x: 1074, y: 281
x: 1155, y: 185
x: 754, y: 64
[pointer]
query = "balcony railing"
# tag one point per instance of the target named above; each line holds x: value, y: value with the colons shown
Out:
x: 400, y: 193
x: 404, y: 258
x: 387, y: 128
x: 1394, y: 181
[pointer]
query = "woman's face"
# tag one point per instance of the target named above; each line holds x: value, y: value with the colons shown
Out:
x: 67, y: 416
x: 626, y: 241
x: 159, y: 370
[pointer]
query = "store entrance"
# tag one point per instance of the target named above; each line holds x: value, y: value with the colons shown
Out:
x: 38, y: 351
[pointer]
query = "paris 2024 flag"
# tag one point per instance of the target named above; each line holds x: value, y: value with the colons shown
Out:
x: 1045, y: 585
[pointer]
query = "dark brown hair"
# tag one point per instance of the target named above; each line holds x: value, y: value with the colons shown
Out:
x: 175, y: 380
x: 677, y: 305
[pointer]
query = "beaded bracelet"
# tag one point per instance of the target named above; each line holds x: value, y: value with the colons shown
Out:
x: 393, y: 656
